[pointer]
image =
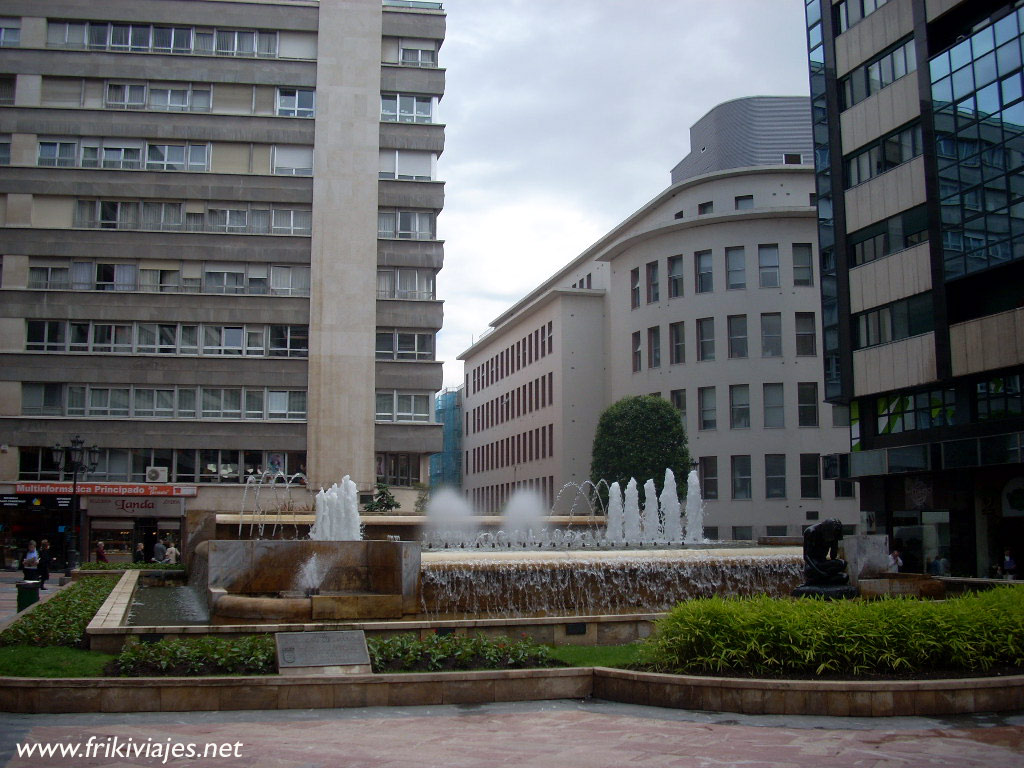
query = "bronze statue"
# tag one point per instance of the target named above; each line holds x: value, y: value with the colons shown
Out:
x: 822, y: 564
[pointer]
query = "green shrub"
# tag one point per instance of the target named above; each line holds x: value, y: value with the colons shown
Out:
x: 207, y: 655
x: 407, y: 653
x: 764, y: 636
x: 62, y: 619
x: 131, y: 567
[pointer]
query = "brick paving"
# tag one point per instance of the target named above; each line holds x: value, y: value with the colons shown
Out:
x: 561, y: 734
x: 9, y: 592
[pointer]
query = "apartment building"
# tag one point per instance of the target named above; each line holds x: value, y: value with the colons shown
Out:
x: 918, y: 124
x: 219, y: 253
x: 707, y: 296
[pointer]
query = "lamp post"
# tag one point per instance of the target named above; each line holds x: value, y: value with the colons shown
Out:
x: 76, y: 459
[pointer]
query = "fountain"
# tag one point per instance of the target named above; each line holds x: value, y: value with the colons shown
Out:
x: 694, y: 510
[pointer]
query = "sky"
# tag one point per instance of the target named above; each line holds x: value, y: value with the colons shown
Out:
x: 563, y: 117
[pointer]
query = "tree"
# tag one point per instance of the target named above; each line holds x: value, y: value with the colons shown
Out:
x: 383, y: 501
x: 639, y: 437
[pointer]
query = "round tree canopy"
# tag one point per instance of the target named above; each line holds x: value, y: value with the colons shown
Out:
x: 639, y: 437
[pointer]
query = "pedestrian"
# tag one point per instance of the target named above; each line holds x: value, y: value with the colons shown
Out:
x: 895, y: 561
x: 101, y: 553
x: 30, y: 563
x: 45, y: 561
x: 172, y: 554
x: 139, y: 556
x: 159, y: 551
x: 1009, y: 565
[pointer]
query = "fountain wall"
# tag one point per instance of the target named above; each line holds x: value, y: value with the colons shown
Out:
x: 587, y: 584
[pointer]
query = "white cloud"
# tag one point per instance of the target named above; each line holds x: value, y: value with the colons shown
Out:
x: 565, y: 116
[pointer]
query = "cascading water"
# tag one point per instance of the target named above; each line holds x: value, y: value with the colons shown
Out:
x: 650, y: 529
x: 337, y: 513
x: 631, y: 514
x: 450, y: 520
x: 613, y: 526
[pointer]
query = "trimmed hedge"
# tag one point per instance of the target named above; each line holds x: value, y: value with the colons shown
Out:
x: 256, y: 655
x: 131, y: 567
x: 436, y: 653
x: 63, y: 618
x: 769, y: 637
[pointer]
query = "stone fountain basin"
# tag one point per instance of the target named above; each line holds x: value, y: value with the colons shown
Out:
x: 294, y: 607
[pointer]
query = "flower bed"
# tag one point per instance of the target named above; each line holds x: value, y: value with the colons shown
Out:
x: 62, y: 619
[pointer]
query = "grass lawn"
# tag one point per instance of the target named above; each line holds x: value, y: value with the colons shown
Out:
x: 597, y: 655
x: 52, y: 661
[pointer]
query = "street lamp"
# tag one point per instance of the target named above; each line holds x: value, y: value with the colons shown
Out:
x: 74, y: 458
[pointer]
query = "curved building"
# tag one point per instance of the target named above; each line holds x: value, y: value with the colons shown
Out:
x: 707, y: 296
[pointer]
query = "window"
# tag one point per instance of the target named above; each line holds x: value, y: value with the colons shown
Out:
x: 654, y: 347
x: 401, y: 469
x: 735, y: 268
x: 805, y: 334
x: 54, y: 278
x: 286, y: 404
x: 706, y: 339
x: 771, y: 334
x: 406, y: 225
x: 675, y: 277
x: 45, y: 336
x: 849, y: 12
x: 177, y: 157
x: 774, y: 406
x: 57, y: 154
x: 296, y: 102
x: 708, y: 410
x: 704, y: 208
x: 406, y: 165
x: 288, y: 281
x: 404, y: 345
x: 289, y: 341
x: 768, y: 266
x: 107, y: 214
x: 920, y: 410
x: 807, y: 404
x: 405, y: 283
x: 844, y: 489
x: 678, y: 398
x: 293, y: 161
x: 705, y: 276
x: 803, y: 269
x: 396, y: 108
x: 126, y: 96
x: 677, y: 343
x: 883, y: 155
x: 744, y: 202
x: 227, y: 219
x: 739, y: 406
x: 997, y: 398
x: 900, y: 320
x: 10, y: 33
x: 634, y: 288
x: 636, y: 352
x: 775, y: 475
x: 741, y: 477
x: 737, y: 336
x: 707, y: 470
x: 792, y: 158
x: 810, y: 477
x: 878, y: 73
x: 652, y: 282
x: 180, y: 97
x: 402, y: 406
x: 418, y: 53
x: 7, y: 86
x: 289, y: 221
x: 5, y: 150
x: 42, y: 399
x: 889, y: 236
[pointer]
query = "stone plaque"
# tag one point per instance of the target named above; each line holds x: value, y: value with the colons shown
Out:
x: 329, y: 653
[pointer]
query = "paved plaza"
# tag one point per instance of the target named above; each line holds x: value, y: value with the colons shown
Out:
x: 556, y: 734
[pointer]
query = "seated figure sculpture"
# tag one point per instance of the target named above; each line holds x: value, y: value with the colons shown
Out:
x: 822, y: 564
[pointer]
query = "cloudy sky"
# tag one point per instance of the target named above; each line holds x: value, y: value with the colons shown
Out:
x: 565, y: 116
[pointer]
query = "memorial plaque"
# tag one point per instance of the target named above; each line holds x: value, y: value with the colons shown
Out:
x: 324, y: 653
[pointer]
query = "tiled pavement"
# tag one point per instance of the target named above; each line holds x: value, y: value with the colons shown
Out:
x: 9, y: 592
x: 558, y: 734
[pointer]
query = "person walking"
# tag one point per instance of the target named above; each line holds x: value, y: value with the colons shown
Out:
x: 895, y: 561
x: 139, y: 556
x: 159, y: 551
x: 101, y: 553
x: 172, y: 554
x: 45, y: 561
x: 30, y: 562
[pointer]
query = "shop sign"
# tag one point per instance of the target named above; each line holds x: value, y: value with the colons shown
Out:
x: 107, y: 489
x: 39, y: 503
x: 156, y: 506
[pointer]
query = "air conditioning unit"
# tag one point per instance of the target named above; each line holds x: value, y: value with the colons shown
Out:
x: 156, y: 474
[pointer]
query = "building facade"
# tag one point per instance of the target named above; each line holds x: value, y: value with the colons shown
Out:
x: 446, y: 466
x: 707, y: 296
x: 919, y: 132
x: 219, y: 250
